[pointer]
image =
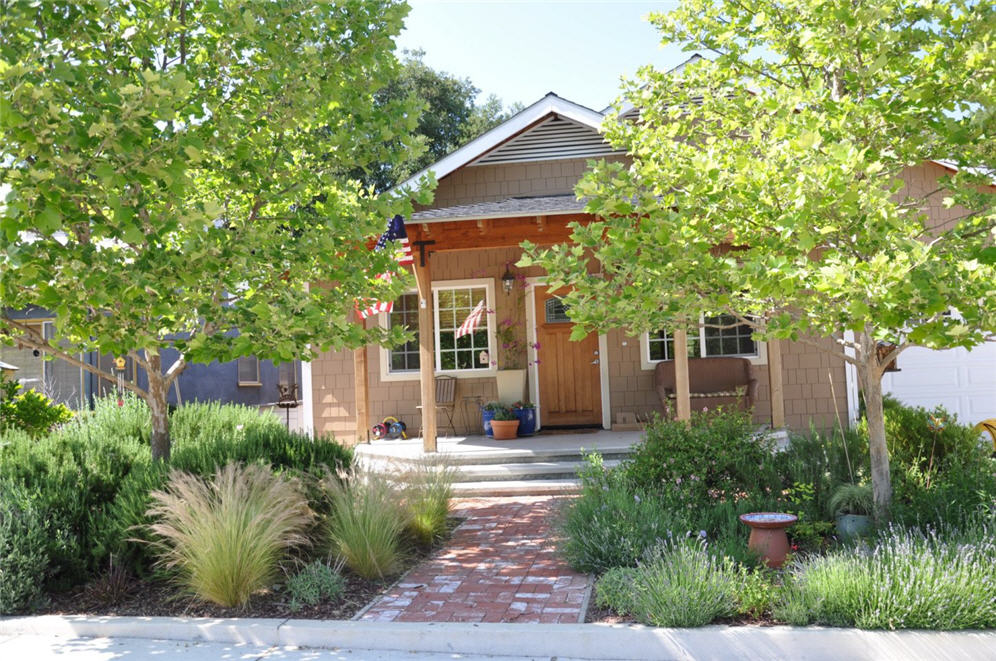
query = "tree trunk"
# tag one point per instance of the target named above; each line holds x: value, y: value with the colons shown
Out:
x: 870, y: 378
x: 159, y: 408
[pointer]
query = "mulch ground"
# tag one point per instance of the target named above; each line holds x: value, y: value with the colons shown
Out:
x: 130, y: 596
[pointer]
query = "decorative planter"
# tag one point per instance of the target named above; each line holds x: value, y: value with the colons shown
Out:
x: 767, y: 535
x: 527, y: 421
x: 486, y: 418
x: 850, y: 526
x: 511, y: 385
x: 504, y: 430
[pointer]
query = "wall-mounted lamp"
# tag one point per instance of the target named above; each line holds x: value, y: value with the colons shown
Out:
x: 508, y: 279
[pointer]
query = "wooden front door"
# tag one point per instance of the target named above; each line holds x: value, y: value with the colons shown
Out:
x: 569, y: 381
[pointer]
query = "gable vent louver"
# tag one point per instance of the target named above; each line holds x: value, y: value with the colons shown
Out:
x: 553, y: 139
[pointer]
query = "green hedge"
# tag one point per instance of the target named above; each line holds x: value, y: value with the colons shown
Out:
x: 91, y: 477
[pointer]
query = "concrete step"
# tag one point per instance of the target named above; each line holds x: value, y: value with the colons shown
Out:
x: 485, y: 458
x: 516, y: 488
x: 537, y: 470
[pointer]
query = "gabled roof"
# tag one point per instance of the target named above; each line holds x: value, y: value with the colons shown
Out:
x: 544, y: 205
x: 551, y: 104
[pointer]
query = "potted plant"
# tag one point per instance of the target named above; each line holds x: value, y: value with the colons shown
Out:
x: 488, y: 412
x: 511, y: 376
x: 504, y: 425
x: 526, y: 413
x: 852, y: 505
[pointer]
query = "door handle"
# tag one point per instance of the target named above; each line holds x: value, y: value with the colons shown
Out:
x: 595, y: 362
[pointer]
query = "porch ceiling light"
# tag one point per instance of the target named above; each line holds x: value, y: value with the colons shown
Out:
x: 508, y: 279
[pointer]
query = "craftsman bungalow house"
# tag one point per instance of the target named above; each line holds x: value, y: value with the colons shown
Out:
x: 514, y: 183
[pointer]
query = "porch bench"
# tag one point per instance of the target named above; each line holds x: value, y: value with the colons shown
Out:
x: 712, y: 382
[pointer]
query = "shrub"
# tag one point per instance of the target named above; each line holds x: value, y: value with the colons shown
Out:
x: 315, y: 583
x: 427, y: 492
x: 610, y: 526
x: 28, y: 410
x: 680, y: 584
x: 615, y: 590
x: 908, y: 580
x: 924, y: 438
x: 717, y: 450
x: 226, y: 537
x: 366, y: 522
x: 757, y: 592
x: 25, y: 539
x: 824, y: 461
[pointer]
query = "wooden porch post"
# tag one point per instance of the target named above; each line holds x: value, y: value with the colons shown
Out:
x: 682, y: 399
x: 361, y: 390
x: 426, y: 355
x: 775, y: 383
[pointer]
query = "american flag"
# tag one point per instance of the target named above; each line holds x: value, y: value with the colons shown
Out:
x: 395, y: 232
x: 472, y: 321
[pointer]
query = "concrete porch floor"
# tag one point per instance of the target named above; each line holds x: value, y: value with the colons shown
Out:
x: 470, y: 447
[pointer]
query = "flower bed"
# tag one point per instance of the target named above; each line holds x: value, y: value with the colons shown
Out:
x: 80, y: 524
x: 666, y: 521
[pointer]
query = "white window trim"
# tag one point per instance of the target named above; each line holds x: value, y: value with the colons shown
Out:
x: 248, y: 384
x: 441, y: 285
x: 759, y: 358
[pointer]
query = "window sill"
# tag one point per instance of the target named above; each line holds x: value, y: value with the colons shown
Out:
x: 250, y: 384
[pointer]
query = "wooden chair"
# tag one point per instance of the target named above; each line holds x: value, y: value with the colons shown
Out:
x: 445, y: 400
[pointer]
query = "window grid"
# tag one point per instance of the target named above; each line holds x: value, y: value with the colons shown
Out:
x: 734, y: 341
x: 465, y: 353
x: 405, y: 358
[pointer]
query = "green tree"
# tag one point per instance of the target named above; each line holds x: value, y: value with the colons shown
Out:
x: 449, y: 119
x: 766, y: 184
x: 170, y: 175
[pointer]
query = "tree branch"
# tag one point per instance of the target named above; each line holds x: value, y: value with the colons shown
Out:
x: 31, y: 337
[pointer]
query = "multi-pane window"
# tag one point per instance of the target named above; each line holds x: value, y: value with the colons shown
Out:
x: 725, y: 337
x: 720, y: 336
x: 662, y: 346
x: 404, y: 358
x: 468, y: 352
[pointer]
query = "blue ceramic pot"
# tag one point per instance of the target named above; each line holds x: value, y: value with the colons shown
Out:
x: 486, y: 418
x: 527, y: 421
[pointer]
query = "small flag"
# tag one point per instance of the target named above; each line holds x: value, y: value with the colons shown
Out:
x: 395, y: 232
x: 472, y: 321
x: 375, y: 306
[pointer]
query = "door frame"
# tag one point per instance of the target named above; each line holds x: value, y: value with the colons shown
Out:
x: 603, y: 357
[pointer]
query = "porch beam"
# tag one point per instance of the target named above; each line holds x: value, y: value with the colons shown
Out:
x: 426, y: 355
x: 683, y: 400
x: 775, y: 384
x: 361, y: 390
x: 497, y: 233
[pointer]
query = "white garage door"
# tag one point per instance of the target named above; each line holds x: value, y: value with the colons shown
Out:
x: 962, y: 381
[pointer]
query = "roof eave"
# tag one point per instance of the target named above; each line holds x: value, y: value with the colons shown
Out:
x: 549, y: 104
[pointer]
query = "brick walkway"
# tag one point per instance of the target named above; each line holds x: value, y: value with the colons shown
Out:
x: 500, y: 566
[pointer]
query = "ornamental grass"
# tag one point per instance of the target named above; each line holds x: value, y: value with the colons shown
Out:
x: 366, y: 523
x: 226, y: 536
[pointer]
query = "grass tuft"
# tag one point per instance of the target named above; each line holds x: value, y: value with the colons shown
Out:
x: 366, y: 522
x: 427, y: 493
x: 225, y: 537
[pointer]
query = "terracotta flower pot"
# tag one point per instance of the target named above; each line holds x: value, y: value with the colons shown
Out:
x: 504, y: 430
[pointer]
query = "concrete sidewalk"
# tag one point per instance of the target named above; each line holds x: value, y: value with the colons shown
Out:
x: 138, y: 638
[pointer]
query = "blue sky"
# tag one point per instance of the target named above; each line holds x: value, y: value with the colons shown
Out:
x: 522, y: 50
